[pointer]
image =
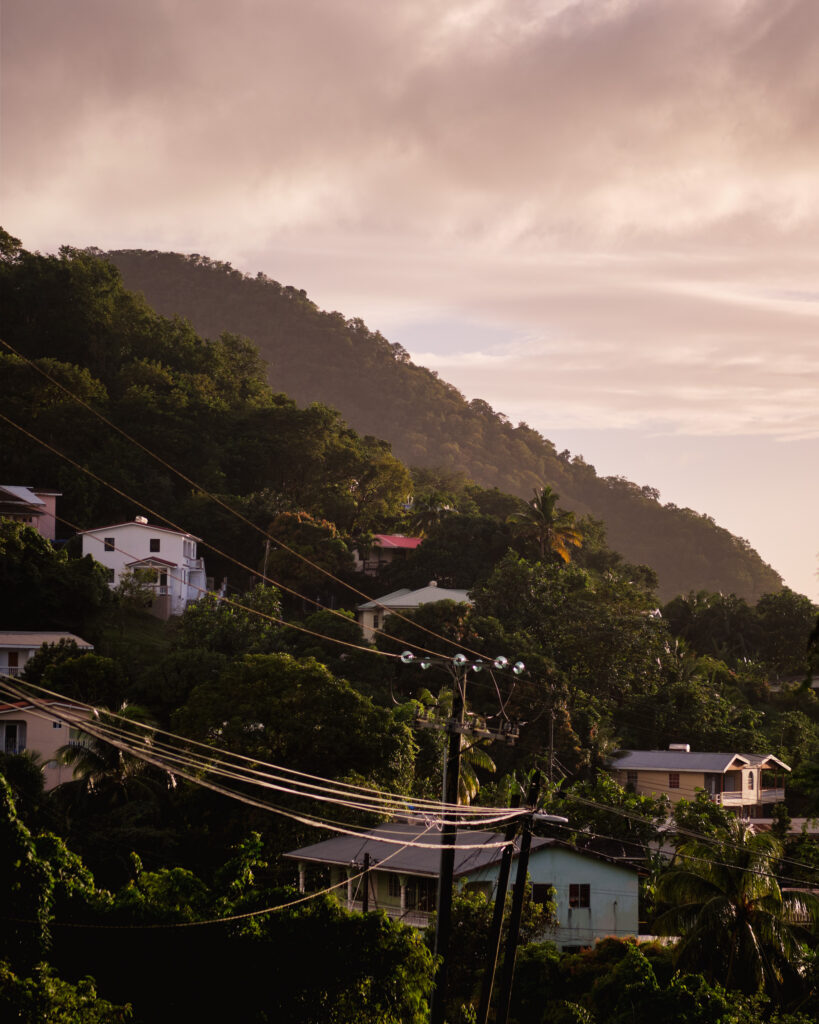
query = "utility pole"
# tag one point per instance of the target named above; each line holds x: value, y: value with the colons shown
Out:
x: 505, y: 995
x: 455, y: 727
x: 365, y: 896
x: 443, y: 921
x: 497, y: 918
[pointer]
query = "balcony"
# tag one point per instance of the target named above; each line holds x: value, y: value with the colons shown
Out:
x: 14, y: 748
x: 12, y: 670
x: 415, y: 918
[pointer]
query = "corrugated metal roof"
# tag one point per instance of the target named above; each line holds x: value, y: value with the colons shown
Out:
x: 396, y: 540
x: 676, y: 760
x: 413, y: 598
x: 30, y: 639
x: 24, y: 494
x: 346, y: 850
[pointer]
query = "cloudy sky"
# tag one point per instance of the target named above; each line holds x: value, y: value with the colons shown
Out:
x: 601, y: 216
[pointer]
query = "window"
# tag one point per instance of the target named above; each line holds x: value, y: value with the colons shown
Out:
x: 673, y: 780
x: 108, y: 544
x: 631, y: 777
x: 153, y: 544
x: 109, y: 575
x: 542, y: 893
x: 376, y: 620
x: 56, y: 725
x: 750, y: 780
x: 394, y: 886
x: 579, y: 894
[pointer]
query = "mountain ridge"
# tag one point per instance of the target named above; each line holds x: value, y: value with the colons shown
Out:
x: 319, y: 356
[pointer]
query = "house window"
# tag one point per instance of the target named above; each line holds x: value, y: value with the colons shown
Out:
x: 673, y: 780
x: 153, y: 544
x: 109, y: 575
x: 750, y: 780
x: 394, y: 887
x: 56, y: 725
x: 631, y: 777
x: 109, y: 544
x: 579, y: 894
x: 542, y: 893
x: 13, y: 737
x: 376, y: 620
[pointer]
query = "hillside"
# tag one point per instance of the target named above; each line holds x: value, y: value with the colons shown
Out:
x: 321, y: 356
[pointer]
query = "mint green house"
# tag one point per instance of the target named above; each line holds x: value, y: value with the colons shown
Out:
x: 596, y: 896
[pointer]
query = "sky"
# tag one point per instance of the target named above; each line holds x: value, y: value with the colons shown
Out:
x: 600, y: 216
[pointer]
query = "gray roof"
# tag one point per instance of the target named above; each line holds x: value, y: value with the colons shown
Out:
x: 692, y: 761
x: 22, y: 494
x: 390, y: 856
x: 406, y: 598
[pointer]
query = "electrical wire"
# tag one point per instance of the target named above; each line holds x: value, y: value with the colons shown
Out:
x: 215, y: 498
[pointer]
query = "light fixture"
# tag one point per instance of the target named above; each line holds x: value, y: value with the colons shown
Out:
x: 407, y: 657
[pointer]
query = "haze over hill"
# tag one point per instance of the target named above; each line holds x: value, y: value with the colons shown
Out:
x: 321, y: 356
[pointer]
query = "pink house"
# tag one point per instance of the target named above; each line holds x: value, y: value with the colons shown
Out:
x: 35, y: 508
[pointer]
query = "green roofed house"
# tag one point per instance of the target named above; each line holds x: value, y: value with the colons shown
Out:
x: 596, y: 896
x: 749, y: 784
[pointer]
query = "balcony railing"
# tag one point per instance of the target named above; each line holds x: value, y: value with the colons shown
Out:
x: 14, y: 748
x: 415, y: 918
x: 738, y: 799
x: 12, y: 670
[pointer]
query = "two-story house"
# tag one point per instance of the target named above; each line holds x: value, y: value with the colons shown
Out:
x: 371, y: 614
x: 26, y: 728
x: 596, y: 896
x: 385, y: 549
x: 749, y: 784
x: 164, y: 559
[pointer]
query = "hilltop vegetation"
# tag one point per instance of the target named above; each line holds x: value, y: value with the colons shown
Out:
x: 317, y: 356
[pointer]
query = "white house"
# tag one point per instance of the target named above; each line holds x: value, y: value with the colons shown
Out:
x: 164, y: 559
x: 371, y: 614
x: 596, y: 896
x: 17, y: 647
x: 35, y: 508
x: 26, y: 728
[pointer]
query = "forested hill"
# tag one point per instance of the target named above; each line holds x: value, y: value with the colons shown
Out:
x: 319, y: 356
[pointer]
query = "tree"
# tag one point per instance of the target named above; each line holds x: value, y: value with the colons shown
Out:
x: 736, y: 924
x: 549, y: 528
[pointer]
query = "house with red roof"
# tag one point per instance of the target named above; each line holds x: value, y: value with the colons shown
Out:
x: 385, y: 549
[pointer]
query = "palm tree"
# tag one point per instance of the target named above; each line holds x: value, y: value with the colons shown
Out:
x: 735, y: 923
x: 551, y: 528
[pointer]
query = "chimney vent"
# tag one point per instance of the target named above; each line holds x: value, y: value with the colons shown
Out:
x: 684, y: 748
x: 142, y: 520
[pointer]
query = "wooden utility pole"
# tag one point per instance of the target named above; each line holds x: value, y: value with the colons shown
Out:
x: 505, y: 995
x: 497, y: 917
x: 443, y: 926
x: 365, y: 896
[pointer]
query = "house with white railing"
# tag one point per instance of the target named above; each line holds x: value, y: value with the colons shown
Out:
x: 749, y: 784
x: 164, y: 560
x: 18, y: 647
x: 595, y: 895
